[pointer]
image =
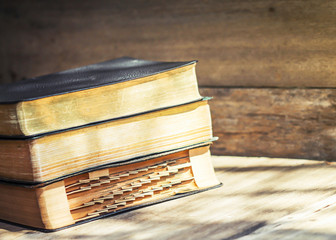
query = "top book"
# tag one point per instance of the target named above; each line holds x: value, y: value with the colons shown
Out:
x: 113, y: 89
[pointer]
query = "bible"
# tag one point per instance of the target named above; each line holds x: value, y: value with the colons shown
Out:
x: 94, y: 93
x: 49, y: 156
x: 100, y: 140
x: 108, y: 191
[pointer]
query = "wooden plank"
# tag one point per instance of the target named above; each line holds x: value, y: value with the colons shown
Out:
x: 291, y: 123
x: 314, y: 222
x: 256, y: 193
x: 238, y: 43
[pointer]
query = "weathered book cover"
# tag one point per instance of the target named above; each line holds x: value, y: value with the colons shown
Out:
x: 117, y: 88
x: 110, y: 190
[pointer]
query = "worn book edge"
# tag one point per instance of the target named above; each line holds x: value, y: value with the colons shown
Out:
x: 30, y: 137
x: 177, y: 196
x: 28, y: 184
x: 86, y: 77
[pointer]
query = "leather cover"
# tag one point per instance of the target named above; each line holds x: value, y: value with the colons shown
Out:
x: 91, y: 76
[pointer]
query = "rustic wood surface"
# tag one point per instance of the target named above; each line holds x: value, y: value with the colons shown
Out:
x: 291, y: 123
x: 263, y: 198
x: 315, y: 222
x: 238, y: 43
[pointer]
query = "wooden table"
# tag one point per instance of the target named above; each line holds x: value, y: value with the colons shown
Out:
x: 261, y: 198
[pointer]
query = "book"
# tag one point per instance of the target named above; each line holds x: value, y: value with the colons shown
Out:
x: 107, y: 191
x: 54, y: 155
x: 94, y: 93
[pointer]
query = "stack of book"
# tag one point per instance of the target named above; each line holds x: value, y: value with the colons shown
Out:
x: 102, y: 139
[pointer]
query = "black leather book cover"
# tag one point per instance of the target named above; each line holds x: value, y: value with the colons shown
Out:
x: 91, y: 76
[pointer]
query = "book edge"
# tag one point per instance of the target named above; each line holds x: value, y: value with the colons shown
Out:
x: 177, y: 196
x: 36, y: 136
x: 180, y: 64
x: 28, y: 184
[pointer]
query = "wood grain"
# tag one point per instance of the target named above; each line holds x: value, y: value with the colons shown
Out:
x: 314, y: 222
x: 237, y: 43
x: 291, y: 123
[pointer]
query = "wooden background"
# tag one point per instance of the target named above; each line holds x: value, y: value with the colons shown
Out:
x: 270, y: 64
